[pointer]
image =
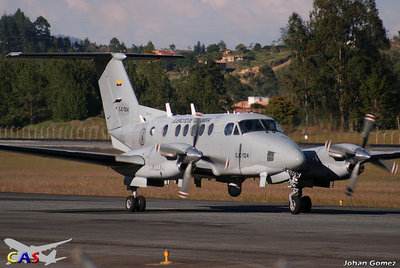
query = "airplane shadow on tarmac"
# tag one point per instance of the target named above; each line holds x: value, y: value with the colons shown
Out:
x: 239, y: 209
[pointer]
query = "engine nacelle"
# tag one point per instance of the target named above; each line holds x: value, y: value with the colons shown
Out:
x: 234, y: 189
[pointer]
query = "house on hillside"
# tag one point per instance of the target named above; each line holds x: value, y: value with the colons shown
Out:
x: 230, y: 57
x: 245, y: 106
x: 164, y: 52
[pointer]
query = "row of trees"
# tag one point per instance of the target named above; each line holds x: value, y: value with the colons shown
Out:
x: 339, y: 70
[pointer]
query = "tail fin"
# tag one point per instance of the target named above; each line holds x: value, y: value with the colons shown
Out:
x: 119, y: 101
x: 120, y: 104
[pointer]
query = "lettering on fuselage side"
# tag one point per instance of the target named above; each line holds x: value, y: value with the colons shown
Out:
x: 242, y: 155
x: 189, y: 120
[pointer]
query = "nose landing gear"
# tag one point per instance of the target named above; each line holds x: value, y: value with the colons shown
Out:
x: 297, y: 202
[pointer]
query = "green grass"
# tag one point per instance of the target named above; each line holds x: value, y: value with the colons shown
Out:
x: 30, y: 174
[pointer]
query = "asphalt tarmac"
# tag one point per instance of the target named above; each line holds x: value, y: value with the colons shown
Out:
x: 199, y: 233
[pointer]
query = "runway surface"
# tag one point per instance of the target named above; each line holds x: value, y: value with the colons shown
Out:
x: 199, y: 233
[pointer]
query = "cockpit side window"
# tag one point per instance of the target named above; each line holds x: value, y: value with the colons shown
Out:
x: 251, y: 125
x: 236, y: 131
x: 228, y: 129
x: 271, y: 125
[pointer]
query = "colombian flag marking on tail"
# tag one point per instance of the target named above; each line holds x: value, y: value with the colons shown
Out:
x: 119, y: 83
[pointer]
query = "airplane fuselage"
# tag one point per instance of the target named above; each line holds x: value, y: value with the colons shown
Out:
x: 235, y: 145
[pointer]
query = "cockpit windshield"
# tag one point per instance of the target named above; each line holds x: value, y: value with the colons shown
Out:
x: 251, y: 125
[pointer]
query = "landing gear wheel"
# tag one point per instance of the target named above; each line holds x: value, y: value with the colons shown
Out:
x: 295, y: 205
x: 306, y: 204
x: 130, y: 203
x: 140, y: 203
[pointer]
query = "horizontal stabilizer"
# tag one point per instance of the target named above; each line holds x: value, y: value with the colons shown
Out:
x: 93, y: 55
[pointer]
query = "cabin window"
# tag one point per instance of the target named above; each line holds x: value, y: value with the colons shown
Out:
x: 210, y: 129
x: 236, y: 131
x: 152, y: 131
x: 202, y: 127
x: 228, y: 129
x: 194, y: 130
x: 185, y: 130
x: 177, y: 130
x: 270, y: 156
x: 165, y: 130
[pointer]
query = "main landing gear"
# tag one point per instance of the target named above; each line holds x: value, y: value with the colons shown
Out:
x: 297, y: 202
x: 135, y: 202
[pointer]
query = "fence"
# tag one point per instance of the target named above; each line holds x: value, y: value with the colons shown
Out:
x: 376, y: 137
x: 61, y: 133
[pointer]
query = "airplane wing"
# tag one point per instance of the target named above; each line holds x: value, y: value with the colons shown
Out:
x: 385, y: 154
x: 104, y: 159
x: 50, y: 246
x: 13, y: 244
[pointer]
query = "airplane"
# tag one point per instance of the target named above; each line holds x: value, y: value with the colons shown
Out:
x: 159, y: 146
x: 47, y: 259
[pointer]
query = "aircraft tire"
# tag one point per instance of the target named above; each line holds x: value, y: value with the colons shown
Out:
x: 306, y: 204
x: 296, y: 208
x: 140, y: 203
x: 130, y: 204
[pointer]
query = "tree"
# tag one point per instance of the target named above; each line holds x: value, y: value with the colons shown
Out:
x: 257, y: 47
x: 172, y: 47
x: 235, y: 89
x: 28, y: 101
x: 241, y: 48
x: 204, y: 86
x: 199, y: 49
x: 116, y: 46
x: 149, y: 48
x: 282, y: 110
x: 222, y: 45
x: 265, y: 82
x: 213, y: 48
x: 332, y: 54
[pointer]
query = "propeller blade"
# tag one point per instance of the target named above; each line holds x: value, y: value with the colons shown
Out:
x: 389, y: 165
x: 196, y: 129
x: 369, y: 121
x: 187, y: 177
x: 353, y: 180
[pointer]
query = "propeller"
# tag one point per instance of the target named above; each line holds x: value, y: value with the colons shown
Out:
x: 192, y: 155
x: 357, y: 156
x: 353, y: 154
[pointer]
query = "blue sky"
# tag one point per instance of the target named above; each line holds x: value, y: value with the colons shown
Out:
x: 179, y: 22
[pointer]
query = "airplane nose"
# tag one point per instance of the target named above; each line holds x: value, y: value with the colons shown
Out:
x: 294, y: 158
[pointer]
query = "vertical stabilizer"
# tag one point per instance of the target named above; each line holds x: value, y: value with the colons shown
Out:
x: 119, y: 101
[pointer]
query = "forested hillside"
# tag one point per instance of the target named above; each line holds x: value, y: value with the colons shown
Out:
x: 328, y: 71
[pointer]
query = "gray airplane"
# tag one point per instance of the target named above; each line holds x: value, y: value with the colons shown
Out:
x: 159, y: 146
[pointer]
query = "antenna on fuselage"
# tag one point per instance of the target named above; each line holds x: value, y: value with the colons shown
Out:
x: 168, y: 109
x: 193, y: 109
